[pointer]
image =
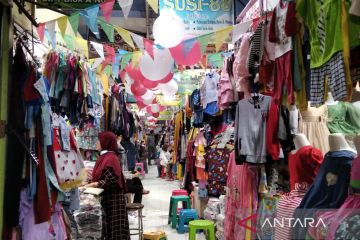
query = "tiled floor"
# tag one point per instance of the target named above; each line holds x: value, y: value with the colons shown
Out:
x: 157, y: 206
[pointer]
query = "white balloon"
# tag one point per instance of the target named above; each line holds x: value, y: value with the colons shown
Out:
x: 168, y: 29
x: 149, y: 95
x: 149, y: 101
x: 155, y: 108
x: 158, y: 68
x: 170, y: 88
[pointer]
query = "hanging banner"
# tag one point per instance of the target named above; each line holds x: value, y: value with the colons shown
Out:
x: 202, y: 16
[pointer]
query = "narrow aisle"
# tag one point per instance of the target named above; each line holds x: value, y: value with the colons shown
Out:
x: 157, y: 205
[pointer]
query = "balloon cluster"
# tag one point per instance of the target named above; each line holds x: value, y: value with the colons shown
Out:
x: 154, y: 72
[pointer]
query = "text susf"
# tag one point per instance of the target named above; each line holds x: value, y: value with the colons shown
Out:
x: 198, y: 5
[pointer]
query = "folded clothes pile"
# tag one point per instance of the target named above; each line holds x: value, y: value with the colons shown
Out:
x: 89, y: 217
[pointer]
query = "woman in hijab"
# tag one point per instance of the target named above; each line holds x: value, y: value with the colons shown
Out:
x: 108, y: 175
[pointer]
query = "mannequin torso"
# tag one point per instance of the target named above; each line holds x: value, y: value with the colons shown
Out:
x: 330, y: 100
x: 300, y: 141
x: 338, y: 142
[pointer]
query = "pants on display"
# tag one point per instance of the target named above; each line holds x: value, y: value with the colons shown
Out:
x: 135, y: 186
x: 283, y: 78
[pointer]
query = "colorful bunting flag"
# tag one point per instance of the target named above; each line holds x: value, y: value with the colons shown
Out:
x: 41, y: 31
x: 125, y: 7
x: 107, y: 8
x: 62, y: 24
x: 69, y: 41
x: 96, y: 63
x: 50, y: 26
x: 221, y: 36
x: 107, y: 70
x: 125, y: 60
x: 154, y: 4
x: 149, y: 47
x: 74, y: 22
x: 139, y: 41
x: 109, y: 53
x: 136, y: 58
x: 204, y: 40
x: 82, y: 46
x: 108, y: 29
x: 216, y: 60
x: 240, y: 29
x: 125, y: 35
x: 116, y: 66
x: 188, y: 44
x: 99, y: 49
x: 90, y: 18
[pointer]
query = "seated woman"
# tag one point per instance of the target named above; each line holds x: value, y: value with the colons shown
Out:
x: 135, y: 186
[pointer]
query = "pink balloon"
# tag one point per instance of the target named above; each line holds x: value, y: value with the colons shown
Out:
x: 135, y: 74
x: 167, y: 78
x: 191, y: 58
x: 138, y: 89
x: 140, y: 104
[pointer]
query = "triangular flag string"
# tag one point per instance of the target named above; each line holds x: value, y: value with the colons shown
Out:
x: 99, y: 49
x: 204, y: 40
x: 50, y: 26
x: 41, y: 31
x: 69, y: 41
x: 139, y: 41
x: 154, y: 4
x: 108, y: 29
x: 107, y: 8
x: 125, y: 35
x: 149, y: 47
x: 188, y: 44
x: 74, y: 22
x: 125, y: 60
x: 125, y: 7
x: 90, y: 17
x: 62, y: 24
x: 221, y: 36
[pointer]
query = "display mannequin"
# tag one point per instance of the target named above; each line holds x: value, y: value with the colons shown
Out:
x: 338, y: 142
x: 300, y: 140
x: 330, y: 100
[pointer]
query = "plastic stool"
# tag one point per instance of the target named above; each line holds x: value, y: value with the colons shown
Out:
x: 201, y: 225
x: 186, y: 214
x: 174, y: 200
x: 140, y: 165
x: 159, y: 235
x: 180, y: 192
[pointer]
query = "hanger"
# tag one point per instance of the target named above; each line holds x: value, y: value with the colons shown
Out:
x: 22, y: 143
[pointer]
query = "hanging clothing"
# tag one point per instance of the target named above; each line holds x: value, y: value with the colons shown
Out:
x: 313, y: 125
x: 217, y: 161
x: 241, y: 199
x: 306, y: 159
x: 240, y: 67
x: 344, y: 118
x: 250, y: 129
x: 329, y: 190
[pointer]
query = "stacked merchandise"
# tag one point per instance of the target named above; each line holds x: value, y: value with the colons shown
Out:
x: 89, y: 217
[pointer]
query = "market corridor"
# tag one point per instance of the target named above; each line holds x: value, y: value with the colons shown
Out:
x: 157, y: 205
